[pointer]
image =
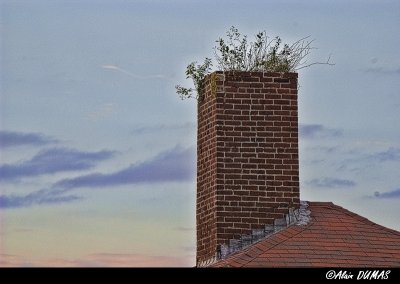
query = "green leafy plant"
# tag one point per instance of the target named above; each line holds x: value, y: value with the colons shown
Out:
x: 235, y: 53
x: 197, y: 73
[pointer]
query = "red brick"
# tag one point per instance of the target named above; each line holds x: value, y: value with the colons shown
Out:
x: 247, y: 140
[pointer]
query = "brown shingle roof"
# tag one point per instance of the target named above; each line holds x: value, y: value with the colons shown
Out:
x: 335, y: 237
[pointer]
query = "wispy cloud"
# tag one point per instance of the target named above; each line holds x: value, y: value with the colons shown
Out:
x: 44, y: 196
x: 331, y: 183
x: 318, y: 131
x: 389, y: 194
x: 177, y: 164
x: 383, y: 70
x: 184, y: 229
x: 360, y: 162
x: 135, y: 76
x: 391, y: 154
x: 52, y: 161
x: 101, y: 260
x: 101, y: 112
x: 163, y: 127
x: 13, y: 138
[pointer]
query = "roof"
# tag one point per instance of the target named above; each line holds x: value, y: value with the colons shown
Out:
x: 334, y: 237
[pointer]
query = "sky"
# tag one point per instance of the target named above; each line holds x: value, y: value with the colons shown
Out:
x: 98, y: 153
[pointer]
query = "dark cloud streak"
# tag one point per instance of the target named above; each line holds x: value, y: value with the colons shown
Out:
x: 318, y: 131
x: 390, y: 194
x: 175, y: 165
x: 391, y: 154
x: 364, y: 161
x: 13, y: 139
x: 44, y: 196
x: 52, y: 161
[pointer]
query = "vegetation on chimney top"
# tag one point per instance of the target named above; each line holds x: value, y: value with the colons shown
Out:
x: 236, y: 53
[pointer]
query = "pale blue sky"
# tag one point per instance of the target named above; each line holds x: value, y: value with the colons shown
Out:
x: 97, y: 162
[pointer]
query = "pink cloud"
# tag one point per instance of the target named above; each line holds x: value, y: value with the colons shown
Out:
x: 101, y: 260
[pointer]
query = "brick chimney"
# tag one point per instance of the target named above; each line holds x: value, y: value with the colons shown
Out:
x: 247, y: 156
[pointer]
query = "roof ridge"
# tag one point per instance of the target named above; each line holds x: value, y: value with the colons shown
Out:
x: 355, y: 215
x: 352, y: 214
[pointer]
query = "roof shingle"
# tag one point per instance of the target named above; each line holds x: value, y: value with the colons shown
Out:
x: 335, y: 237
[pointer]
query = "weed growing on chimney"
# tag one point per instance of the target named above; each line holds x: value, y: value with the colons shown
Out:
x: 235, y: 53
x: 197, y: 73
